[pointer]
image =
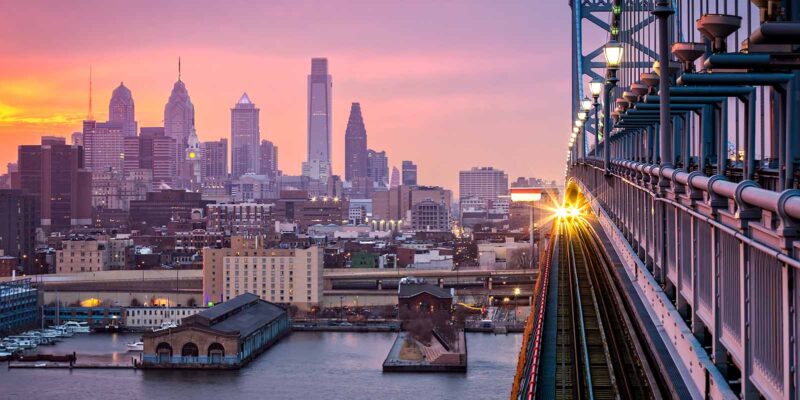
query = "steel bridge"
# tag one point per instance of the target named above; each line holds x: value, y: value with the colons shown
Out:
x: 683, y: 163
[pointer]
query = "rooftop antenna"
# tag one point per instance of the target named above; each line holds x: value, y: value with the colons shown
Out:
x: 179, y: 68
x: 89, y: 116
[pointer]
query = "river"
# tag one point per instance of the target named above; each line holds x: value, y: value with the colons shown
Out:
x: 305, y: 365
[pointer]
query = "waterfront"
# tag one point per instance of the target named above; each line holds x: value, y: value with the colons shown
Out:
x: 305, y: 365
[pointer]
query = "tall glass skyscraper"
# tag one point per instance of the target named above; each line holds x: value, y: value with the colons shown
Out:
x: 318, y: 163
x: 245, y: 138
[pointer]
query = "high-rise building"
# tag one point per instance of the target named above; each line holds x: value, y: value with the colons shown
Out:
x: 179, y: 121
x: 409, y: 173
x: 20, y: 215
x: 394, y: 180
x: 245, y: 137
x: 103, y: 146
x: 269, y: 159
x: 318, y: 163
x: 485, y: 183
x: 121, y: 110
x: 355, y: 146
x: 55, y: 174
x: 214, y: 159
x: 378, y: 167
x: 152, y: 150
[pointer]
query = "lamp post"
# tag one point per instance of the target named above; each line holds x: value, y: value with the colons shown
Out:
x: 596, y: 88
x: 582, y: 115
x: 612, y: 52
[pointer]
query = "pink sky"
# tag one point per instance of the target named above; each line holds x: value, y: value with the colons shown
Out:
x: 447, y: 84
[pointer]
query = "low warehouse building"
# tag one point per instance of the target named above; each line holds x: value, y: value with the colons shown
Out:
x: 225, y: 336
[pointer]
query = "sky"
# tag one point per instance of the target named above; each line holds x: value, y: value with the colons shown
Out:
x: 448, y: 84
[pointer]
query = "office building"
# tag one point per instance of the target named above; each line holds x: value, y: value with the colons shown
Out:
x: 121, y: 110
x: 152, y: 150
x: 268, y: 164
x: 245, y: 138
x: 409, y: 173
x: 214, y: 160
x: 83, y: 254
x: 378, y: 167
x: 54, y: 173
x: 179, y: 121
x: 355, y: 146
x: 103, y: 146
x: 20, y: 215
x: 320, y: 85
x: 429, y: 215
x: 239, y: 218
x: 159, y: 208
x: 485, y: 183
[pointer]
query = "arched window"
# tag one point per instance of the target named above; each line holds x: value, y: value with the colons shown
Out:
x: 189, y: 350
x: 216, y: 352
x: 164, y: 352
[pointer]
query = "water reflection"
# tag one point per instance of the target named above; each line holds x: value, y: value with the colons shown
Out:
x: 305, y: 365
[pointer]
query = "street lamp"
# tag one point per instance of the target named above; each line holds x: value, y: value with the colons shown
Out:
x: 596, y: 88
x: 586, y: 104
x: 612, y: 52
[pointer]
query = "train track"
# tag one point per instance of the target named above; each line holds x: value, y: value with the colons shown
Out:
x: 599, y: 354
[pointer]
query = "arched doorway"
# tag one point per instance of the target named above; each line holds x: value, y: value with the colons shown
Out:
x: 216, y: 352
x: 189, y: 350
x: 164, y: 352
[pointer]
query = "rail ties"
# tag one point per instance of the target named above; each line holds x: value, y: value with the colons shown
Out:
x: 596, y: 354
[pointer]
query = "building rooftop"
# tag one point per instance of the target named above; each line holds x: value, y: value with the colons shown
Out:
x: 412, y: 289
x: 244, y: 314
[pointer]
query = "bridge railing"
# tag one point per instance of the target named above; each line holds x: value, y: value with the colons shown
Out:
x: 726, y: 255
x: 529, y: 357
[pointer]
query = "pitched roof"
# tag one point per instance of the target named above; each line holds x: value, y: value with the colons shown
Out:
x: 228, y: 306
x: 412, y: 289
x: 245, y: 99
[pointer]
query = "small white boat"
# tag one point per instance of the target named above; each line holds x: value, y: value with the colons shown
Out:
x: 76, y: 327
x: 5, y: 354
x: 135, y: 346
x: 40, y: 365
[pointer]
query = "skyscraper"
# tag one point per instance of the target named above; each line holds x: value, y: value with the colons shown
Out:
x: 179, y: 120
x: 214, y: 159
x: 409, y: 173
x: 53, y: 172
x: 245, y: 137
x: 394, y: 180
x: 269, y: 159
x: 318, y: 163
x: 378, y: 165
x: 152, y: 150
x: 355, y: 145
x: 121, y: 110
x: 103, y: 145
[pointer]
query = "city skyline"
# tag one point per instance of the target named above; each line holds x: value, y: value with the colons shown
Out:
x: 486, y: 87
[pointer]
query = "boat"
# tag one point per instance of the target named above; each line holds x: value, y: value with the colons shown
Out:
x: 76, y: 327
x: 40, y: 365
x: 135, y: 346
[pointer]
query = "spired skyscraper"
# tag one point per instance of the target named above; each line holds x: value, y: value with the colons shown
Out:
x: 355, y: 146
x: 121, y: 110
x: 245, y: 138
x: 320, y: 85
x: 179, y: 119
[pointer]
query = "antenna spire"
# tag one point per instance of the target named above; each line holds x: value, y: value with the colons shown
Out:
x: 179, y: 68
x: 89, y: 116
